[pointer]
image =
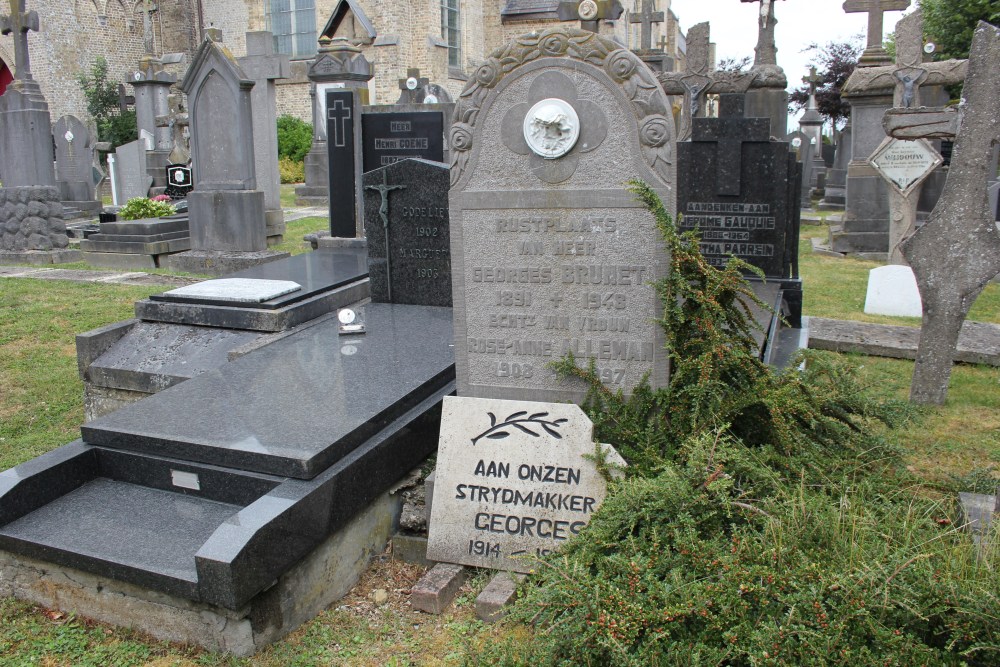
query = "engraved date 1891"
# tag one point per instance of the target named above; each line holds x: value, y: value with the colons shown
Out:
x: 516, y: 297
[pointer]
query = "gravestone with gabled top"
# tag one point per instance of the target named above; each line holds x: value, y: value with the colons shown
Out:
x: 226, y: 209
x: 551, y: 253
x: 75, y: 164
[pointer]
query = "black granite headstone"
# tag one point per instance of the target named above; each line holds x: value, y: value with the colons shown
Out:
x: 391, y: 137
x: 733, y: 186
x: 340, y: 119
x: 180, y: 181
x: 406, y: 224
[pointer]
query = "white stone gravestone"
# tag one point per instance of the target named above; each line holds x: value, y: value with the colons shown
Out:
x: 514, y: 481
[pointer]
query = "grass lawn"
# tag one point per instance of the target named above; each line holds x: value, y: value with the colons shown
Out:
x: 40, y: 409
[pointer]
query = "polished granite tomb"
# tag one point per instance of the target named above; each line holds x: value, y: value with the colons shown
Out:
x: 214, y: 488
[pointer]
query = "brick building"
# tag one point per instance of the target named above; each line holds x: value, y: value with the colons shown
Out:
x: 445, y: 39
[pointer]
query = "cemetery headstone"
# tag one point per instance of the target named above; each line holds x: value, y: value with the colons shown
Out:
x: 406, y: 225
x: 413, y: 87
x: 835, y: 192
x: 151, y: 84
x: 75, y: 164
x: 391, y: 137
x: 131, y: 176
x: 343, y: 143
x: 264, y: 67
x: 732, y: 187
x: 957, y: 251
x: 339, y: 65
x: 226, y: 209
x: 180, y: 181
x: 552, y: 255
x: 805, y: 148
x: 513, y: 481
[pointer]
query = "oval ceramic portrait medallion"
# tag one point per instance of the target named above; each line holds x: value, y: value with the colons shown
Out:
x: 551, y: 128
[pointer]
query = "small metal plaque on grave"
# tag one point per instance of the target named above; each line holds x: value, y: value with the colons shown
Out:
x: 904, y: 163
x: 236, y: 290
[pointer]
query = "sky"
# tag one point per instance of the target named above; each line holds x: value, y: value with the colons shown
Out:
x: 800, y: 23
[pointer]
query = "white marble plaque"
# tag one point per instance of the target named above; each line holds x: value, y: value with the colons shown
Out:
x: 892, y: 290
x: 237, y: 290
x: 904, y: 163
x: 513, y: 482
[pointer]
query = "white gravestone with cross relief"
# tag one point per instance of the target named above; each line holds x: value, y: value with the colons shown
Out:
x: 515, y: 480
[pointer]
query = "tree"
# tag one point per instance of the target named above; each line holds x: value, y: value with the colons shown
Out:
x: 733, y: 65
x: 113, y: 124
x: 834, y: 62
x: 949, y: 24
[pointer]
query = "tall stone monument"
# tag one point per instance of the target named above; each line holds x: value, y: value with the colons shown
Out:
x: 551, y: 254
x: 226, y: 209
x: 264, y: 67
x: 338, y: 65
x: 811, y: 124
x: 31, y: 215
x: 768, y: 99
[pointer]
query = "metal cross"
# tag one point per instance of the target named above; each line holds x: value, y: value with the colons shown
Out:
x: 384, y: 189
x: 20, y: 22
x: 647, y: 17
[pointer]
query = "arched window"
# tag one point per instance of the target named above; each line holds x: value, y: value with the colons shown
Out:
x: 451, y: 30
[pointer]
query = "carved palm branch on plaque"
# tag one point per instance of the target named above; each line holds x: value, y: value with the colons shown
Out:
x: 520, y: 421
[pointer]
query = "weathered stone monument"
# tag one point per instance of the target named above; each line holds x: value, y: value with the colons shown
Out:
x: 75, y: 165
x: 338, y: 66
x: 957, y: 251
x: 835, y: 192
x: 226, y: 209
x: 768, y: 98
x: 811, y: 125
x: 264, y: 67
x: 406, y: 226
x: 31, y: 215
x: 551, y: 254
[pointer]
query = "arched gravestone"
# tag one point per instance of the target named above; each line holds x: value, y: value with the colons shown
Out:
x: 550, y: 253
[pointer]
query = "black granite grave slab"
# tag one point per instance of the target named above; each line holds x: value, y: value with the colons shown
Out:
x: 295, y: 406
x: 734, y: 186
x: 319, y: 271
x: 390, y: 137
x: 406, y: 224
x: 330, y: 278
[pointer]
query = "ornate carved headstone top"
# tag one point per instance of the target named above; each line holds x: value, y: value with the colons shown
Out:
x: 551, y: 254
x: 339, y: 60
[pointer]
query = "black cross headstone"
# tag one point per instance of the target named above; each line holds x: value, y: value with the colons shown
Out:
x: 730, y: 131
x: 646, y: 18
x: 343, y: 170
x: 19, y: 23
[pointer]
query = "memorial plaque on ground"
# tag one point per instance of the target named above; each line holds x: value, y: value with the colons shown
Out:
x: 513, y: 482
x: 391, y: 137
x: 733, y: 186
x: 904, y: 163
x: 406, y: 224
x: 552, y: 254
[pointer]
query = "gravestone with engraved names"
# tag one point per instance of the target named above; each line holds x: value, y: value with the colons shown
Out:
x: 406, y: 225
x: 552, y: 254
x: 391, y: 137
x: 75, y: 164
x: 733, y: 186
x: 513, y: 481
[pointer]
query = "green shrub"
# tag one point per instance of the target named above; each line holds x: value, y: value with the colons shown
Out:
x: 763, y: 521
x: 291, y: 171
x: 118, y: 127
x: 139, y: 208
x: 294, y: 138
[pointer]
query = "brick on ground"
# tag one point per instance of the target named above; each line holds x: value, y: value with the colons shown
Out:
x: 436, y: 589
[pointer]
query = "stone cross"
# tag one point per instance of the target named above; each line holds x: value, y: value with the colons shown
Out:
x: 147, y: 26
x: 20, y: 22
x: 384, y: 189
x: 589, y: 12
x: 124, y: 101
x: 813, y: 81
x: 957, y: 252
x: 697, y: 79
x: 646, y: 18
x: 412, y: 95
x: 766, y: 53
x: 874, y: 54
